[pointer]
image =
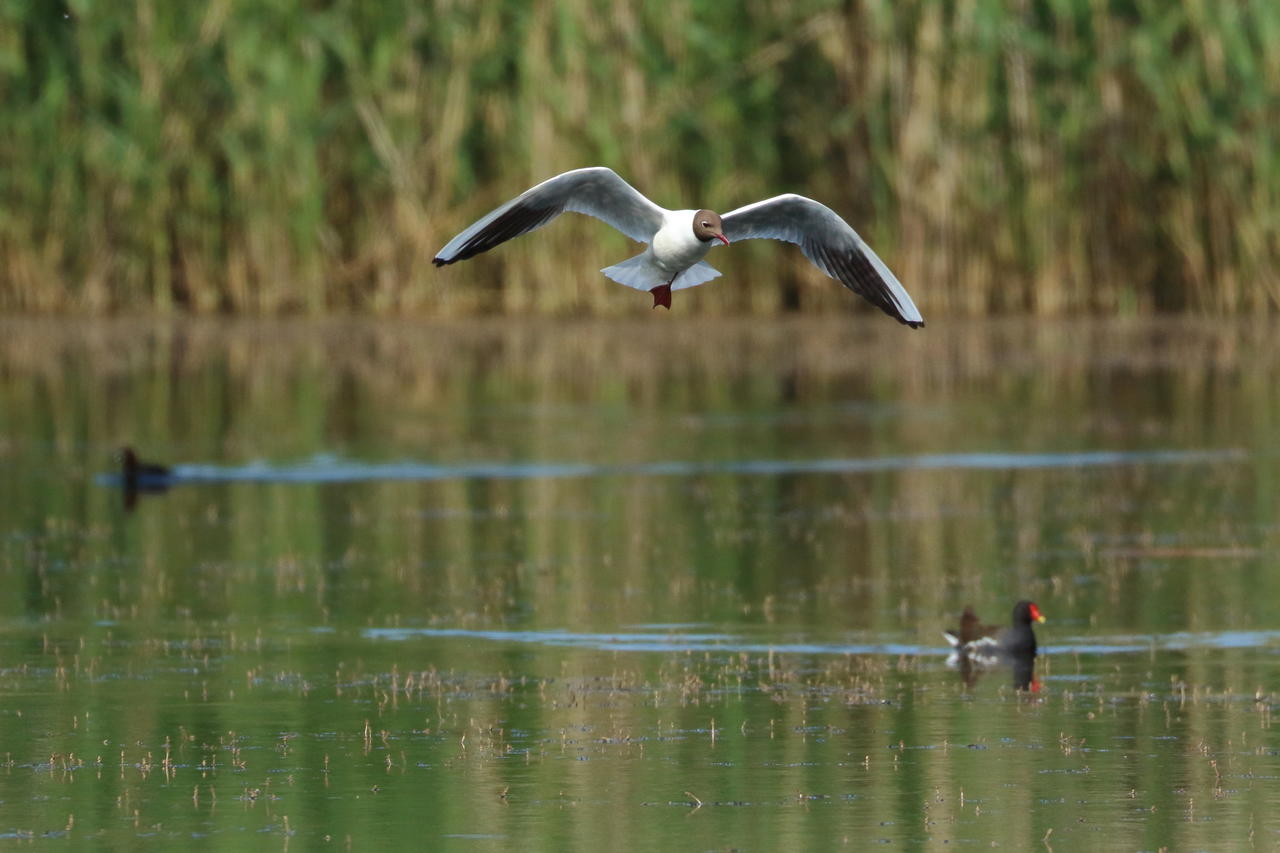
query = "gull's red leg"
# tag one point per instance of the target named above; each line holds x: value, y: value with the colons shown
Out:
x: 662, y: 295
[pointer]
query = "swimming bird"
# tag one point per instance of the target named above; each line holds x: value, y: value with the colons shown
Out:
x: 137, y: 474
x: 680, y: 239
x: 984, y: 642
x: 977, y: 647
x: 137, y: 477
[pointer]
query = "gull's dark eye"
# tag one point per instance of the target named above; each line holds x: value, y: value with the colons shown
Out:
x: 706, y: 225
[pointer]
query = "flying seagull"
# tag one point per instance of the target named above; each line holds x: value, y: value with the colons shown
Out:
x: 679, y: 239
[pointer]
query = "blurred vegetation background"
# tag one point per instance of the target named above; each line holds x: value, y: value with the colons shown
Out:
x: 261, y: 156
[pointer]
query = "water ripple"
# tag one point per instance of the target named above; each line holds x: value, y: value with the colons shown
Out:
x: 644, y: 642
x: 640, y: 641
x: 327, y: 469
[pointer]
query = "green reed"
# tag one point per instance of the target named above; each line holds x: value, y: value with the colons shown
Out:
x: 1038, y: 155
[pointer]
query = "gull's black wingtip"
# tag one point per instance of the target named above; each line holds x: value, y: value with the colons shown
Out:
x: 916, y: 324
x: 440, y: 261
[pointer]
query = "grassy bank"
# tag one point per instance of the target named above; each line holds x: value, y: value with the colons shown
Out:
x: 1036, y: 155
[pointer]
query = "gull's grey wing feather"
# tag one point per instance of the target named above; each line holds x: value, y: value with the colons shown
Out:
x: 596, y: 191
x: 830, y: 243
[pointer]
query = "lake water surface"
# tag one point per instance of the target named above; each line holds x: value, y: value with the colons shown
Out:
x: 661, y: 584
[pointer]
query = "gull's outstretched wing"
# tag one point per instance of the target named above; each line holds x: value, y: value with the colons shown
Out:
x: 596, y: 191
x: 832, y: 245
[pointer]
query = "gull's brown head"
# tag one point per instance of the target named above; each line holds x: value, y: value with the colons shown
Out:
x: 707, y: 227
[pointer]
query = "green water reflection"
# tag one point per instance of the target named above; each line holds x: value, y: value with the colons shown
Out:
x: 446, y: 662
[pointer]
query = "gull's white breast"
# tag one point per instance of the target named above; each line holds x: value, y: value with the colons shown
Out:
x: 675, y: 247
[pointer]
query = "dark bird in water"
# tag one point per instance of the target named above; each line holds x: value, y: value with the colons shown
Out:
x: 137, y: 476
x: 979, y: 646
x: 678, y: 240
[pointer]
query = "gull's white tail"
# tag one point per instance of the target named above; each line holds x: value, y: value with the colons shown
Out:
x: 642, y: 273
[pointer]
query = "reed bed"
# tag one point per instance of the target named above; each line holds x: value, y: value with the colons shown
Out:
x: 1044, y: 156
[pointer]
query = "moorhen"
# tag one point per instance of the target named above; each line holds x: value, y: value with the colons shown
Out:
x: 137, y: 476
x: 141, y: 475
x: 984, y: 641
x: 977, y: 646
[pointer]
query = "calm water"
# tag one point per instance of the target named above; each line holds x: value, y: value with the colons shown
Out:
x: 651, y: 584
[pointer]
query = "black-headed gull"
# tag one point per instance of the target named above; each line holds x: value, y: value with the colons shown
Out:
x: 679, y: 239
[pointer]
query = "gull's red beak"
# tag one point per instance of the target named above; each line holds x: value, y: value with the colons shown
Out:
x: 1036, y: 614
x: 722, y: 238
